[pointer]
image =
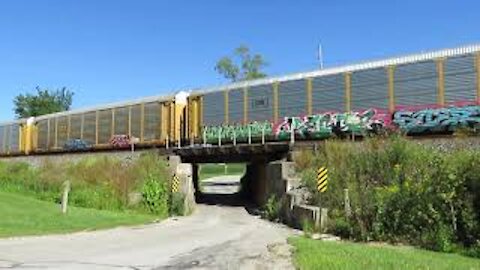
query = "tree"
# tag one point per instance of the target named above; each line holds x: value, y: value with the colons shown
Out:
x: 247, y: 67
x: 43, y: 102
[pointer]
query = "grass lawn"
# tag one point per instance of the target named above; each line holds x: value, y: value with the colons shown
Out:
x: 314, y: 254
x: 20, y: 215
x: 211, y: 170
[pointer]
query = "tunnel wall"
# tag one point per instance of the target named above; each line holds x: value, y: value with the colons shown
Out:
x: 264, y: 179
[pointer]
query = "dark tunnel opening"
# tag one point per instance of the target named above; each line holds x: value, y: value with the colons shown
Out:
x: 223, y: 184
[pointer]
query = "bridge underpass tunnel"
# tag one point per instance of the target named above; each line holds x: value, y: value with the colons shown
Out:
x: 238, y: 184
x: 220, y: 183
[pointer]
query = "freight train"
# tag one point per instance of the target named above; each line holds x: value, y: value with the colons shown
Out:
x: 426, y: 92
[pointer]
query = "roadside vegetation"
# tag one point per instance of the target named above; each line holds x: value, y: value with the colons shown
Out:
x: 314, y: 254
x: 219, y: 169
x: 22, y: 215
x: 400, y: 191
x: 140, y: 186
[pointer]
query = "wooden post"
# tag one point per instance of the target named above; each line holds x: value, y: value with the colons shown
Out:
x: 66, y: 190
x: 348, y: 209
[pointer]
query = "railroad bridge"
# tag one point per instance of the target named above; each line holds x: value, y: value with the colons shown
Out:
x: 261, y: 122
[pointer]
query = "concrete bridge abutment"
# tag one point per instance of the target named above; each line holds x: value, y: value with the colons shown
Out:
x: 183, y: 174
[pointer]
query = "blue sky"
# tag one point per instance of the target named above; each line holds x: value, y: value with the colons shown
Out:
x: 107, y: 51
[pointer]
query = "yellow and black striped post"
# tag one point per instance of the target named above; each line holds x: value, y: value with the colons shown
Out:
x: 175, y: 184
x: 322, y: 179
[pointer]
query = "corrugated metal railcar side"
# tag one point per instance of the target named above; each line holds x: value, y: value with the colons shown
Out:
x: 11, y: 138
x: 150, y: 121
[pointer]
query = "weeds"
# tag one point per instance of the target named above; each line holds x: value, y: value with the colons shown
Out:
x: 400, y: 191
x: 98, y: 182
x: 272, y: 209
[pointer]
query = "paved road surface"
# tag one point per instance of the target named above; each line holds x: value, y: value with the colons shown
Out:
x: 214, y: 237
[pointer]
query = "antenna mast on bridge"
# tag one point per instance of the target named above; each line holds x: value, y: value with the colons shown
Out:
x: 320, y: 55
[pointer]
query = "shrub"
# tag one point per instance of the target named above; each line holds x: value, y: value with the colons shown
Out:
x: 272, y: 208
x: 155, y: 195
x: 400, y: 191
x: 177, y: 206
x: 341, y: 227
x: 438, y: 239
x: 308, y: 227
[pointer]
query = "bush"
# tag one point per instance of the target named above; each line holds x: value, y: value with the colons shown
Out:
x: 439, y: 239
x: 155, y: 195
x: 177, y: 207
x: 400, y: 191
x: 308, y: 227
x: 341, y: 227
x: 272, y: 209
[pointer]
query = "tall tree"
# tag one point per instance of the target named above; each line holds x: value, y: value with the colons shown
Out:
x: 242, y: 66
x: 43, y: 102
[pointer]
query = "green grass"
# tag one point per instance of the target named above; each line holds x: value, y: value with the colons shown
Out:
x: 211, y: 170
x: 20, y: 215
x: 314, y: 254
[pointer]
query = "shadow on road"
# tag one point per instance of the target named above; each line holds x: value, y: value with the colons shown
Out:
x: 233, y: 200
x: 217, y: 191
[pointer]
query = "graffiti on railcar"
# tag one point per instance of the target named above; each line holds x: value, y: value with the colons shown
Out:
x: 322, y: 126
x: 77, y: 145
x: 120, y: 141
x: 239, y: 132
x: 372, y: 121
x: 441, y: 120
